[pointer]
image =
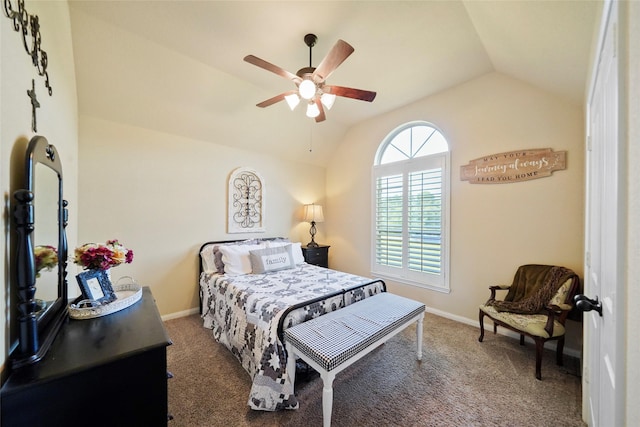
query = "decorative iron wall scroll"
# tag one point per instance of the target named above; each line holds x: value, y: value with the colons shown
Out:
x: 513, y: 166
x: 29, y: 25
x: 246, y: 202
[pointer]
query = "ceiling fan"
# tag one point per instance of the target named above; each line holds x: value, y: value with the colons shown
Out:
x: 310, y: 81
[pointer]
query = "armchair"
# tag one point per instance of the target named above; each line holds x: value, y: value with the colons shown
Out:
x: 536, y: 305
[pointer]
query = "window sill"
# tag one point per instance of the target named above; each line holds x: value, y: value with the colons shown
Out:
x: 404, y: 281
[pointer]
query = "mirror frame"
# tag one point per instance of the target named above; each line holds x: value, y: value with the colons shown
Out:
x: 37, y: 330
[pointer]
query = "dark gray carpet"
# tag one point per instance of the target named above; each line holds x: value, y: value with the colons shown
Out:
x: 460, y: 382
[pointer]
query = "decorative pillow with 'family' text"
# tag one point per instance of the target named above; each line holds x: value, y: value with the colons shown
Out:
x: 271, y: 259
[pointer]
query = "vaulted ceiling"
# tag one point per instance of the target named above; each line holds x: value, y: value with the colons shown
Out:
x: 177, y: 66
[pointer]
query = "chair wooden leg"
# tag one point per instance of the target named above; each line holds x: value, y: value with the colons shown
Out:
x: 481, y: 317
x: 559, y: 351
x: 539, y: 350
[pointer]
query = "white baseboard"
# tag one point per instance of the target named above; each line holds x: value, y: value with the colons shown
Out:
x: 551, y: 345
x: 178, y: 314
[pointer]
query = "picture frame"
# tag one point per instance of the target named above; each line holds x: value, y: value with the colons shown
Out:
x: 96, y: 286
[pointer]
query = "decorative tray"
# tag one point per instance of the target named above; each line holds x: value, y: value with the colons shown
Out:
x: 128, y: 294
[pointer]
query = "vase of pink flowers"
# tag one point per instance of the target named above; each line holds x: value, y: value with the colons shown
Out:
x: 95, y: 283
x: 97, y: 256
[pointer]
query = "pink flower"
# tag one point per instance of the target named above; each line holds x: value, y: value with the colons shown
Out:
x: 94, y: 256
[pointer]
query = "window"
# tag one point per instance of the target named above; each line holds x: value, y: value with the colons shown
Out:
x: 411, y: 207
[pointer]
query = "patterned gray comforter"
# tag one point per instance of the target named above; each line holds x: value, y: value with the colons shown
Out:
x: 248, y: 313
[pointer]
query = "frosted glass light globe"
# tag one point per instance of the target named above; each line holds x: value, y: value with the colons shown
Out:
x: 307, y: 89
x: 328, y: 99
x: 312, y: 110
x: 292, y: 100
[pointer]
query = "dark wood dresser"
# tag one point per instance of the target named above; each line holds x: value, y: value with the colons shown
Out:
x: 107, y: 371
x: 316, y: 255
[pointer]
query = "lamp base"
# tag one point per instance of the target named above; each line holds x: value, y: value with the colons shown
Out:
x: 312, y: 231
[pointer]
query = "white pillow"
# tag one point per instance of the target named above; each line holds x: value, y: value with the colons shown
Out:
x: 277, y: 243
x: 208, y: 259
x: 217, y: 255
x: 236, y: 258
x: 271, y: 259
x: 296, y: 250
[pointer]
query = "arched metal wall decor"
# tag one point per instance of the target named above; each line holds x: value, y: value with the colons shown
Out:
x: 29, y: 25
x: 246, y: 202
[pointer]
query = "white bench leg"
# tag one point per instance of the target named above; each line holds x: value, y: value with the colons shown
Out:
x: 419, y: 336
x: 327, y: 397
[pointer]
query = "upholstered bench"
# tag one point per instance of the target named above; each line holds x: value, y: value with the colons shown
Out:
x: 334, y: 341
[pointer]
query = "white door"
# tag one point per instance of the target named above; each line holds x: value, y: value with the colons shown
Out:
x: 602, y: 379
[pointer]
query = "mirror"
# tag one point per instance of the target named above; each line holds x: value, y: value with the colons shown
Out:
x: 41, y: 253
x: 45, y: 235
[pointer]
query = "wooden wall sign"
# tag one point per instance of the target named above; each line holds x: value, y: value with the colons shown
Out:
x: 514, y: 166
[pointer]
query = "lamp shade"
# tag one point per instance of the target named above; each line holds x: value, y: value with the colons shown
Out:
x: 313, y: 213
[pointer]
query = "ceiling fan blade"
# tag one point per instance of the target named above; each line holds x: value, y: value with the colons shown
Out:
x: 270, y: 67
x: 275, y: 99
x: 336, y: 56
x: 348, y: 92
x: 320, y: 117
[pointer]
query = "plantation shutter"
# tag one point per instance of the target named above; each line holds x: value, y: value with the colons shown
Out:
x: 389, y: 221
x: 424, y: 221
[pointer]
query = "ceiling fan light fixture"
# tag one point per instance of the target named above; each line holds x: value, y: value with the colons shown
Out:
x: 311, y: 81
x: 307, y: 89
x: 327, y: 100
x: 312, y: 110
x: 292, y: 100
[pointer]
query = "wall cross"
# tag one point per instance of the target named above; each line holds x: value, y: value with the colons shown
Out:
x: 34, y: 104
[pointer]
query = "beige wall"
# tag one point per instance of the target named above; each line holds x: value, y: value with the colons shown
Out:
x: 494, y: 228
x: 163, y: 196
x: 57, y: 121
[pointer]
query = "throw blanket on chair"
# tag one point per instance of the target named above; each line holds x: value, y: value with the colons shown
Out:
x: 533, y: 287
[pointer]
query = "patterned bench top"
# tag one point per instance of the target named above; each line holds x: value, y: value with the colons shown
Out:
x: 335, y: 337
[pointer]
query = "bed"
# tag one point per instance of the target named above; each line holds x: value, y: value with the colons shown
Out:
x: 252, y: 290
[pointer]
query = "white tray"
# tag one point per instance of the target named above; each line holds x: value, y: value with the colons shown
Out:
x: 128, y: 294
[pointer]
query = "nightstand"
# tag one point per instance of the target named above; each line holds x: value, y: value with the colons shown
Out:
x: 318, y: 255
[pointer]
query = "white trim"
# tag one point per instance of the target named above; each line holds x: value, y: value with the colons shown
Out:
x: 178, y: 314
x: 606, y: 10
x: 550, y: 345
x: 409, y: 282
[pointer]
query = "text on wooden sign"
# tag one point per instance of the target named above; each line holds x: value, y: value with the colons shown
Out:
x: 513, y: 166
